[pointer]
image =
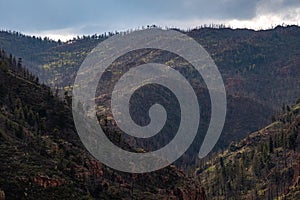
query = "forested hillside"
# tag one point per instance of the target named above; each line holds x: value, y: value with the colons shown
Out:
x: 42, y: 156
x: 264, y: 165
x: 259, y: 68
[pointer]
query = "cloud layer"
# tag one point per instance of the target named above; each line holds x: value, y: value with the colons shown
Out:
x: 74, y: 17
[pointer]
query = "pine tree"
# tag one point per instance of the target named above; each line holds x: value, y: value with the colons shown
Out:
x: 19, y: 132
x: 271, y: 145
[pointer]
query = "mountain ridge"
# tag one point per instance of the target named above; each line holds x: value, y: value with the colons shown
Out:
x: 42, y: 156
x: 264, y: 165
x: 257, y: 66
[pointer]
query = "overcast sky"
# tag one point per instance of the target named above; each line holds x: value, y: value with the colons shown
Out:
x: 67, y: 18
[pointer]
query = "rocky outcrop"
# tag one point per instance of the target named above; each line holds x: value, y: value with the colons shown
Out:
x: 95, y: 168
x: 45, y: 181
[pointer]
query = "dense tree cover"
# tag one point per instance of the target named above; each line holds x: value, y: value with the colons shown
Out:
x: 265, y: 165
x: 42, y: 157
x: 259, y: 68
x: 260, y: 71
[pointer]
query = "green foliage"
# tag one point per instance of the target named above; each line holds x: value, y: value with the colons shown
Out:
x: 264, y: 166
x: 260, y: 70
x: 42, y: 156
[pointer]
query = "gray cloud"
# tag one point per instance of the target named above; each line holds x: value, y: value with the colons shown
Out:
x: 273, y: 6
x: 223, y: 9
x: 97, y: 15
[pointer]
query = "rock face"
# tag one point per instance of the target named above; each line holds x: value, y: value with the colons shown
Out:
x: 95, y: 168
x: 45, y: 181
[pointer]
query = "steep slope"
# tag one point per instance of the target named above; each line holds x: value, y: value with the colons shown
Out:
x: 262, y: 65
x: 259, y: 68
x: 265, y: 165
x: 26, y: 47
x: 41, y: 54
x: 42, y: 157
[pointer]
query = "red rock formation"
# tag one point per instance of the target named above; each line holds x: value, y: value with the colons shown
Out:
x: 94, y: 168
x: 45, y: 181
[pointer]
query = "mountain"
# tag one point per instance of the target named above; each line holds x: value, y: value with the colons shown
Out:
x: 262, y: 65
x: 26, y: 47
x: 264, y: 165
x: 42, y: 156
x: 259, y: 68
x: 256, y: 64
x: 47, y: 58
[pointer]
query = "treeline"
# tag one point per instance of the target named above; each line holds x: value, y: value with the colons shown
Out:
x: 105, y: 35
x: 21, y: 35
x: 16, y: 66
